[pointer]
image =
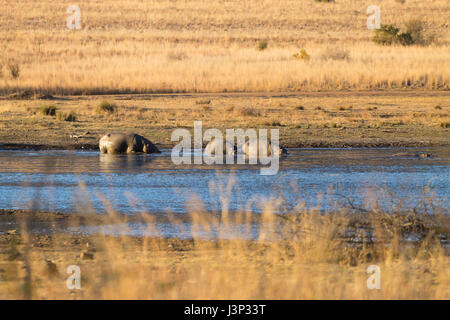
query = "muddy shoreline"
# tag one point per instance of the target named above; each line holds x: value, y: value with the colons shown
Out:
x: 319, y: 145
x: 366, y: 119
x: 14, y: 222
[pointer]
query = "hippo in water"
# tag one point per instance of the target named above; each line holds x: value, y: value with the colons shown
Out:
x: 412, y: 155
x: 126, y: 143
x: 228, y: 147
x: 251, y: 150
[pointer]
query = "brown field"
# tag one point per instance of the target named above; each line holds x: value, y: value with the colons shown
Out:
x: 210, y: 46
x: 304, y: 120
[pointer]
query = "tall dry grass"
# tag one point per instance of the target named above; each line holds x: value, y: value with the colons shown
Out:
x: 300, y: 254
x: 211, y: 46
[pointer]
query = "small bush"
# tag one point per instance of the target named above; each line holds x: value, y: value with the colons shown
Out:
x: 438, y: 107
x: 326, y: 1
x: 204, y: 101
x: 66, y: 116
x: 405, y: 39
x: 302, y: 55
x: 414, y: 34
x: 415, y: 29
x: 274, y: 123
x: 250, y: 111
x: 445, y: 125
x: 14, y: 69
x: 386, y: 35
x: 48, y: 110
x: 106, y: 107
x: 300, y: 108
x: 262, y: 45
x: 335, y: 125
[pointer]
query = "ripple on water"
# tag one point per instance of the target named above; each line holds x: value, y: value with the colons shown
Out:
x: 306, y: 175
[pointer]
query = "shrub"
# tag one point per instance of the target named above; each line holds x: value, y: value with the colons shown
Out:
x: 300, y: 108
x: 14, y: 69
x: 262, y: 45
x: 334, y: 125
x: 416, y: 29
x: 250, y: 111
x: 414, y: 34
x: 66, y: 116
x: 386, y: 35
x: 204, y: 101
x: 105, y: 107
x: 405, y: 39
x: 302, y: 55
x: 438, y: 107
x: 48, y: 110
x: 274, y: 123
x: 445, y: 125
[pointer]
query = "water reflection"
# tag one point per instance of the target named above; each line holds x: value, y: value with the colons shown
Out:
x: 315, y: 177
x: 117, y: 162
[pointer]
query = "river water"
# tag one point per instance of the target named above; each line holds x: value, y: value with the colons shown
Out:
x: 320, y: 178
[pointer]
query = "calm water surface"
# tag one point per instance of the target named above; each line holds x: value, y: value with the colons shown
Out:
x: 63, y: 180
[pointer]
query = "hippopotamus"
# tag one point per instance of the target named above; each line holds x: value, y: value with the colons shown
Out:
x: 126, y: 143
x: 228, y: 147
x: 250, y: 151
x: 412, y: 155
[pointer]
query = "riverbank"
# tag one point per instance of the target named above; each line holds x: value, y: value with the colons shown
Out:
x: 315, y: 119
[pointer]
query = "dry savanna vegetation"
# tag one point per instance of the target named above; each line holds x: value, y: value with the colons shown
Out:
x: 309, y: 68
x: 298, y: 254
x: 219, y: 46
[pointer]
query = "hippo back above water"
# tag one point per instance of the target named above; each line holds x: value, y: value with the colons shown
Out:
x: 412, y: 155
x: 251, y: 150
x: 126, y: 143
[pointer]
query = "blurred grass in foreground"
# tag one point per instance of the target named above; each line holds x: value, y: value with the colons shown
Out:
x: 300, y: 254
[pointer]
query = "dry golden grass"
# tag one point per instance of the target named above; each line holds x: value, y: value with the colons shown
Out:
x: 210, y: 46
x: 301, y: 254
